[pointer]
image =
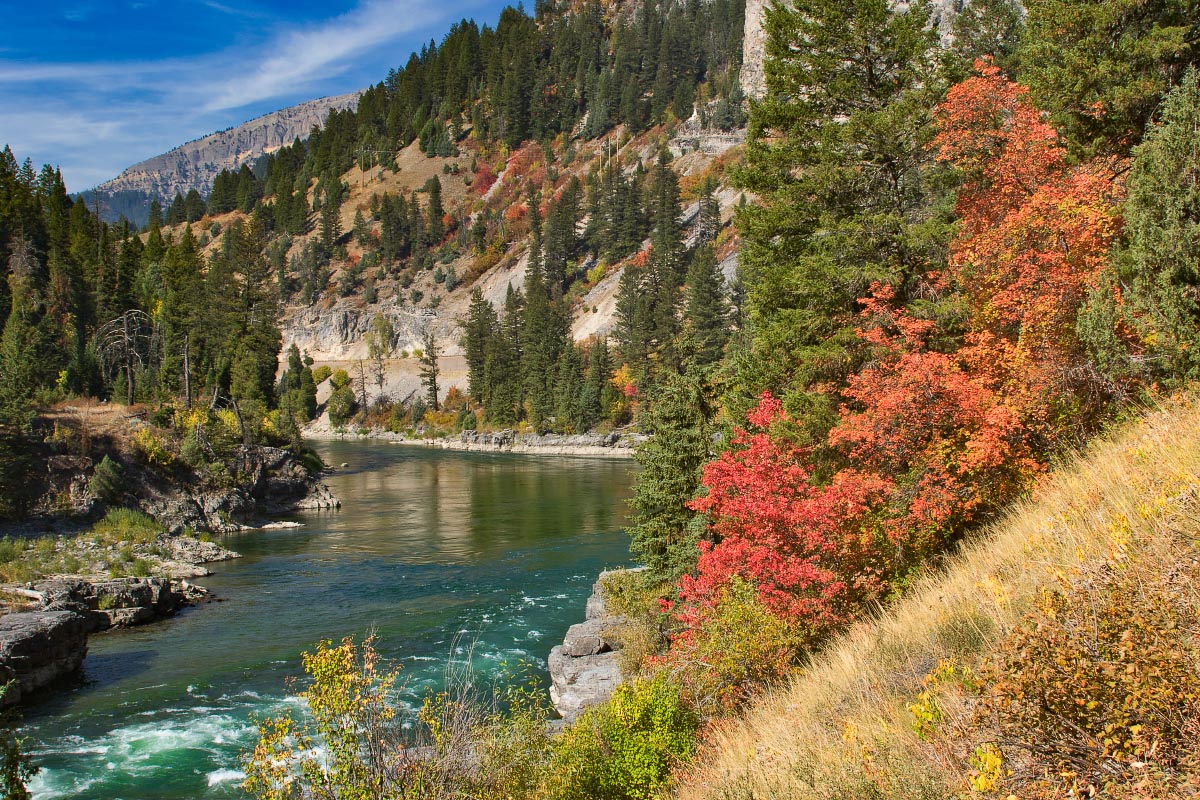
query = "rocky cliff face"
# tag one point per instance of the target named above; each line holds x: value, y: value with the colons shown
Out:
x: 38, y: 649
x: 195, y: 164
x: 754, y: 49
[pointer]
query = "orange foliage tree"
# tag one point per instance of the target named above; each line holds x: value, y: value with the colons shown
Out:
x: 947, y: 421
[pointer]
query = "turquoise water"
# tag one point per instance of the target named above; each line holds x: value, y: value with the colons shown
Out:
x: 439, y: 552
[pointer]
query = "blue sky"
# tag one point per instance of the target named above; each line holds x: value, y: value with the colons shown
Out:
x: 97, y: 86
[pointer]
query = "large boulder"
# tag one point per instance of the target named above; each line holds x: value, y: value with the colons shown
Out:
x: 581, y: 681
x: 40, y: 648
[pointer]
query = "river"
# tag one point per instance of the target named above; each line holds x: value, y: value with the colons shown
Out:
x: 439, y: 552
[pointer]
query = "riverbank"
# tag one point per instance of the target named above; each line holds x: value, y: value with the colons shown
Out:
x: 602, y: 445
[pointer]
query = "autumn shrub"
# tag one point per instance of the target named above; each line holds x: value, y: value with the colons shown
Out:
x: 346, y: 708
x: 732, y: 649
x: 1100, y: 688
x: 151, y: 448
x: 626, y: 748
x: 812, y: 552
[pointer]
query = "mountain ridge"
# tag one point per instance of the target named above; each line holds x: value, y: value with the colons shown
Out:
x: 196, y: 164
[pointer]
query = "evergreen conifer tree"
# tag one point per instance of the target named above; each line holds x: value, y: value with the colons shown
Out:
x: 662, y: 534
x: 839, y: 152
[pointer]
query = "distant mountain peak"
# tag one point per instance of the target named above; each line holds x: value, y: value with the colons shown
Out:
x: 196, y: 164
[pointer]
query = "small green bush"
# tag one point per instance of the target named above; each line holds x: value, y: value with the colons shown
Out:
x: 126, y: 525
x: 108, y: 480
x: 321, y: 373
x: 191, y: 453
x: 339, y: 379
x: 627, y: 747
x: 11, y: 550
x: 341, y: 405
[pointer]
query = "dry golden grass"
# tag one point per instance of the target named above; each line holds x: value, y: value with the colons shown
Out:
x: 843, y: 729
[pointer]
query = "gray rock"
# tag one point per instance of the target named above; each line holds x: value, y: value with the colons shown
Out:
x: 191, y: 550
x: 585, y: 639
x: 40, y: 648
x: 584, y: 669
x: 579, y: 682
x: 118, y: 603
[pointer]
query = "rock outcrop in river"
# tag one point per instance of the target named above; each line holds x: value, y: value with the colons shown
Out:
x: 39, y: 649
x: 584, y: 669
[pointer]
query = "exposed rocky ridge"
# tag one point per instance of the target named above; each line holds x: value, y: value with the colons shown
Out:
x: 196, y: 164
x: 584, y: 669
x: 273, y: 482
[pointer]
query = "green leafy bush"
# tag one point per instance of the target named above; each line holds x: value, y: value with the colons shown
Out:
x: 338, y: 379
x: 341, y: 405
x: 627, y: 747
x: 126, y: 525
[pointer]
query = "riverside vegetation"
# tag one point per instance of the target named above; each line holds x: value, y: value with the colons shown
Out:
x: 963, y: 264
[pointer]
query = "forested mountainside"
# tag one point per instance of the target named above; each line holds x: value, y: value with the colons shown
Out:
x: 541, y: 148
x: 192, y: 167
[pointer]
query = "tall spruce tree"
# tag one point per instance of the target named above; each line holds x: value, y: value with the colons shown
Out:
x: 1101, y: 69
x: 1154, y: 288
x: 706, y: 311
x: 839, y: 152
x: 661, y: 531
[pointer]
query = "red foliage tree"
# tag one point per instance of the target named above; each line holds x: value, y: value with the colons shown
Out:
x: 809, y: 550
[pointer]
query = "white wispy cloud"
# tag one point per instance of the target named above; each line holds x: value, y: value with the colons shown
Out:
x: 299, y: 56
x: 95, y: 119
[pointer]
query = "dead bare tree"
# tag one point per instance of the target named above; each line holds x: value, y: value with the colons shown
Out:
x: 124, y: 344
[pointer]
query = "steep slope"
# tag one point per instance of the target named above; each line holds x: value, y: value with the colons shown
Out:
x: 196, y: 164
x: 905, y: 706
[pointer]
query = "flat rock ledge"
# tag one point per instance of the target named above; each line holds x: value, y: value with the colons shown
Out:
x: 583, y: 669
x: 39, y: 649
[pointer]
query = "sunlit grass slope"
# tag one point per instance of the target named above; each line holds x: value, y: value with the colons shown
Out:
x: 952, y: 691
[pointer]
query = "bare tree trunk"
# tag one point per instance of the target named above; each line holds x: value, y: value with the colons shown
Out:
x: 128, y: 363
x: 187, y: 371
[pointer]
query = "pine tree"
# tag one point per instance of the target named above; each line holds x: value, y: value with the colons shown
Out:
x: 661, y: 531
x: 1102, y: 68
x: 708, y: 218
x: 1155, y: 288
x: 597, y: 396
x: 482, y: 324
x: 568, y: 388
x: 839, y: 152
x: 706, y: 314
x: 429, y: 368
x: 435, y: 227
x: 193, y: 206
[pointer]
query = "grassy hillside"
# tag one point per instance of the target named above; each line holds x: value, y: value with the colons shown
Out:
x: 1056, y: 655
